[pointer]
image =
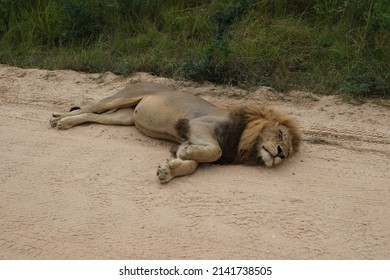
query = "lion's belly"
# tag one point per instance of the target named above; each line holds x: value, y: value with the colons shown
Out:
x: 157, y: 116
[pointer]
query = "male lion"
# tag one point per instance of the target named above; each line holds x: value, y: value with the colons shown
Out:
x: 248, y: 134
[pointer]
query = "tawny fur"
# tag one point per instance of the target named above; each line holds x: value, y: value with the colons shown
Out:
x: 250, y: 134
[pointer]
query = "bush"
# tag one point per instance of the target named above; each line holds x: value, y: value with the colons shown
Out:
x: 319, y: 45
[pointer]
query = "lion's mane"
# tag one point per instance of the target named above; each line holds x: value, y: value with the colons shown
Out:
x: 239, y: 136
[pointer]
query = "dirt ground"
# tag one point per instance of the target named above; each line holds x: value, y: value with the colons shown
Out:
x: 91, y: 192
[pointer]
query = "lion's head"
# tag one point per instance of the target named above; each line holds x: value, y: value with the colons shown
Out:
x: 268, y: 137
x: 274, y: 145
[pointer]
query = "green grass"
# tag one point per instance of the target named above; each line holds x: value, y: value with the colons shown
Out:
x: 325, y: 46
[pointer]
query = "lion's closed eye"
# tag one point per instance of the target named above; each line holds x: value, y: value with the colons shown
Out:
x: 281, y: 135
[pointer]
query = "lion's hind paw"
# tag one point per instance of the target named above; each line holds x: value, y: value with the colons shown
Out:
x: 56, y: 115
x: 54, y: 120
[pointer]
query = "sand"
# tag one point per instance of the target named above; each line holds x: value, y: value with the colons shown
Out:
x: 91, y: 192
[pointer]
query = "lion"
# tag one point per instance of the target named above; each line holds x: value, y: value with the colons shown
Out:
x: 247, y: 134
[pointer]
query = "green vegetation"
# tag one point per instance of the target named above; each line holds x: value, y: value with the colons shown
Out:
x: 325, y: 46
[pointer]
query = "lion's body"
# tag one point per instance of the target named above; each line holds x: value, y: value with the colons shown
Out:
x: 158, y: 115
x: 247, y: 134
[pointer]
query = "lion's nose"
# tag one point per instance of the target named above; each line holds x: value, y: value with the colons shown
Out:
x: 281, y: 152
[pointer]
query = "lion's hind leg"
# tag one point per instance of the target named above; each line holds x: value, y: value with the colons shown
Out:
x: 170, y: 169
x: 118, y: 117
x: 125, y: 98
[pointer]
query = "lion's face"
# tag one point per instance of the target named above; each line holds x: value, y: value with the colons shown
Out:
x: 275, y: 145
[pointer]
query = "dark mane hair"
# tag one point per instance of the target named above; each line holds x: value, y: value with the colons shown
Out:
x: 239, y: 136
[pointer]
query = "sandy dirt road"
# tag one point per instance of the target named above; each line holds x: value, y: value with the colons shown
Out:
x: 91, y: 192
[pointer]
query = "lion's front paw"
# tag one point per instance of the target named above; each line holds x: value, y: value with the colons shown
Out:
x: 164, y: 172
x: 184, y: 152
